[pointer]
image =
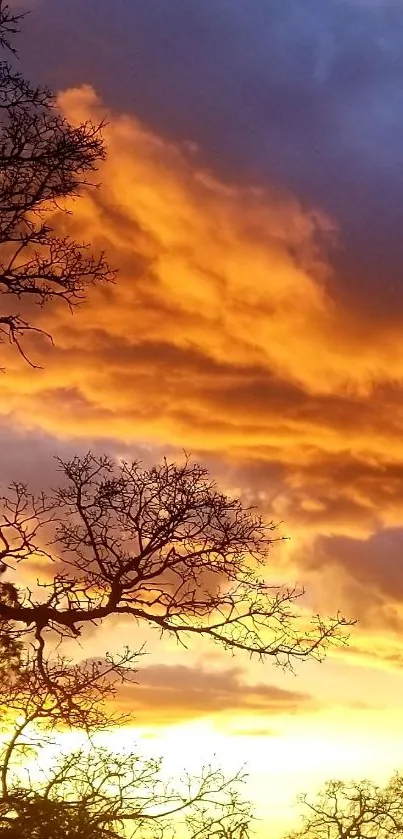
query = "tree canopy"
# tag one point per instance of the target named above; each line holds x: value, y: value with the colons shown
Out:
x: 354, y: 810
x: 161, y: 545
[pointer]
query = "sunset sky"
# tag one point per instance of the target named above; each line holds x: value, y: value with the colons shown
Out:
x: 252, y: 200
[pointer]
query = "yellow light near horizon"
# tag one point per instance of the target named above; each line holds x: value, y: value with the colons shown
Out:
x: 281, y: 766
x: 299, y: 756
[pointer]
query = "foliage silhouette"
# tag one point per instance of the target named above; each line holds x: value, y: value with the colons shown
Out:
x: 354, y: 810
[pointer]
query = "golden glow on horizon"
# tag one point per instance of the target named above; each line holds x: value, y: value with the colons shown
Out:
x: 278, y: 766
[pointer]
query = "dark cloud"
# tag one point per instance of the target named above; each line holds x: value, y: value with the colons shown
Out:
x: 309, y: 95
x: 29, y: 455
x: 332, y: 492
x: 367, y: 577
x: 177, y: 692
x: 374, y: 563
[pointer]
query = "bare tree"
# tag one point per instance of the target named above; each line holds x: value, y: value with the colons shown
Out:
x: 92, y: 792
x: 354, y: 810
x: 163, y: 546
x: 43, y: 161
x: 95, y: 794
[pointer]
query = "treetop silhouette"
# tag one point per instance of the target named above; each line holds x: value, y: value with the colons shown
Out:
x: 161, y: 545
x: 43, y: 161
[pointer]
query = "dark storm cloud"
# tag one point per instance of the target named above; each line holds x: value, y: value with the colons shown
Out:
x: 308, y: 94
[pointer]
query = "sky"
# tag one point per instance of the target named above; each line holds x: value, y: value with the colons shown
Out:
x: 252, y: 200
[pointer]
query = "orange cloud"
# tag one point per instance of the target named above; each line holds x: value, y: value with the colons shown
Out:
x: 222, y: 336
x: 222, y: 296
x: 168, y: 694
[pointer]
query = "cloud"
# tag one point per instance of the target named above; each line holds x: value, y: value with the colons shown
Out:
x: 306, y: 95
x: 168, y: 694
x: 222, y: 295
x: 369, y: 571
x: 222, y: 336
x: 23, y: 449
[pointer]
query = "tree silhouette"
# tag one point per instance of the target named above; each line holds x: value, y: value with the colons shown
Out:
x: 97, y: 795
x: 43, y: 161
x: 163, y: 546
x: 354, y: 810
x: 92, y: 792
